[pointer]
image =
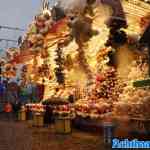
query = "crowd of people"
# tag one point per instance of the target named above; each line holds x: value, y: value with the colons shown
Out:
x: 19, y: 92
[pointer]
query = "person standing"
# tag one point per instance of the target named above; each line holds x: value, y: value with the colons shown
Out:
x: 2, y: 94
x: 34, y: 92
x: 12, y: 91
x: 48, y: 114
x: 23, y: 95
x: 40, y: 91
x: 2, y: 90
x: 8, y: 110
x: 29, y: 89
x: 16, y: 107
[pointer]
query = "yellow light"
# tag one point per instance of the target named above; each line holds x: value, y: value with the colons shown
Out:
x: 46, y: 11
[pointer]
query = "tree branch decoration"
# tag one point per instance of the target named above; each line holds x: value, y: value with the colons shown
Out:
x: 81, y: 31
x: 60, y: 66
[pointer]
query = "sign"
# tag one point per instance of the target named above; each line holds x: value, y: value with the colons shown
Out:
x: 142, y: 83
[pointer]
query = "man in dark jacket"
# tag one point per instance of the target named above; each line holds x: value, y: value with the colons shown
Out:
x: 2, y: 90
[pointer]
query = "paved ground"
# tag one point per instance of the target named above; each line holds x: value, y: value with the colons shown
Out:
x: 21, y: 136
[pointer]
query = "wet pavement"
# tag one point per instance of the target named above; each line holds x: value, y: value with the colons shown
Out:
x: 22, y: 136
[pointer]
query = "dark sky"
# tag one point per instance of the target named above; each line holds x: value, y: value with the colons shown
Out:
x: 17, y: 13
